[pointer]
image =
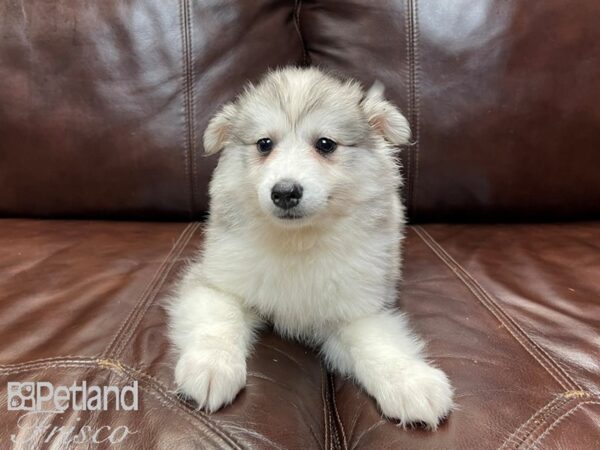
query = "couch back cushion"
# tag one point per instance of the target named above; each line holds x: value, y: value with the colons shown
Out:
x: 503, y: 97
x: 103, y: 104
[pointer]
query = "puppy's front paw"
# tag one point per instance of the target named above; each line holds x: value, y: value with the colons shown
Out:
x: 211, y: 377
x: 417, y: 393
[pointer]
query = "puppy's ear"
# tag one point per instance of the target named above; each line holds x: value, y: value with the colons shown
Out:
x: 385, y: 117
x: 217, y: 132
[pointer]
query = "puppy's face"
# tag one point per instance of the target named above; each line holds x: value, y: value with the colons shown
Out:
x: 301, y: 144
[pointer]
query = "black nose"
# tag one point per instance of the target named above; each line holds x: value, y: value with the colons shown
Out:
x: 286, y: 194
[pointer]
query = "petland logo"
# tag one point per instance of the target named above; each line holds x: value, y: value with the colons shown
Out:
x: 41, y: 400
x: 32, y: 396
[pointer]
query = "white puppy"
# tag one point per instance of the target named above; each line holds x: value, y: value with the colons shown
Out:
x: 305, y: 230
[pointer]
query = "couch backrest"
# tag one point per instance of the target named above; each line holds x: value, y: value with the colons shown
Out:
x: 103, y: 104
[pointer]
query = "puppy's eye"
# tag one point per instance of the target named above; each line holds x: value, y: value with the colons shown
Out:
x: 264, y: 145
x: 325, y: 145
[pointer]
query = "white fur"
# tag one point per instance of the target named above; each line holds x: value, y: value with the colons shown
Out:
x: 328, y: 278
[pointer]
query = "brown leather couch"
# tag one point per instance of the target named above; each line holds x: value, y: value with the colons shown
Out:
x: 102, y: 192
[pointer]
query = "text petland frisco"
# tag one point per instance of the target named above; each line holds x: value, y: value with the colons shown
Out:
x: 41, y: 400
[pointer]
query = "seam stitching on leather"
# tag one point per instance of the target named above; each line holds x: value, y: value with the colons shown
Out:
x: 408, y: 50
x: 354, y: 421
x: 368, y: 430
x: 557, y: 366
x: 525, y: 428
x: 340, y: 425
x: 184, y: 103
x: 492, y: 306
x: 154, y: 288
x: 534, y: 444
x: 412, y: 54
x: 127, y: 320
x: 113, y: 345
x: 155, y: 389
x: 335, y: 442
x: 417, y: 102
x: 485, y: 298
x: 188, y: 101
x: 137, y: 305
x: 305, y: 55
x: 543, y: 421
x: 10, y: 366
x: 326, y: 426
x: 192, y: 106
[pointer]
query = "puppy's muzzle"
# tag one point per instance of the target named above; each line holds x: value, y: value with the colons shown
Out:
x: 286, y: 194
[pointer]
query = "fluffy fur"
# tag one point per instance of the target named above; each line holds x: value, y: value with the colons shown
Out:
x: 327, y: 277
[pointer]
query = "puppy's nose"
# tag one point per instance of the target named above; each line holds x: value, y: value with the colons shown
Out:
x: 286, y: 194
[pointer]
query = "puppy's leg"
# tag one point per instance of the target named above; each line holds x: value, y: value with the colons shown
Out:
x: 385, y: 357
x: 213, y: 334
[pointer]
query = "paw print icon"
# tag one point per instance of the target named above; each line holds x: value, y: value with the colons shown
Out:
x: 21, y: 396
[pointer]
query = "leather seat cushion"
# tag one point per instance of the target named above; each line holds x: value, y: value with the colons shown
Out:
x: 510, y: 312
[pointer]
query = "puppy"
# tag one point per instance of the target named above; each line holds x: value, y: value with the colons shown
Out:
x: 304, y: 231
